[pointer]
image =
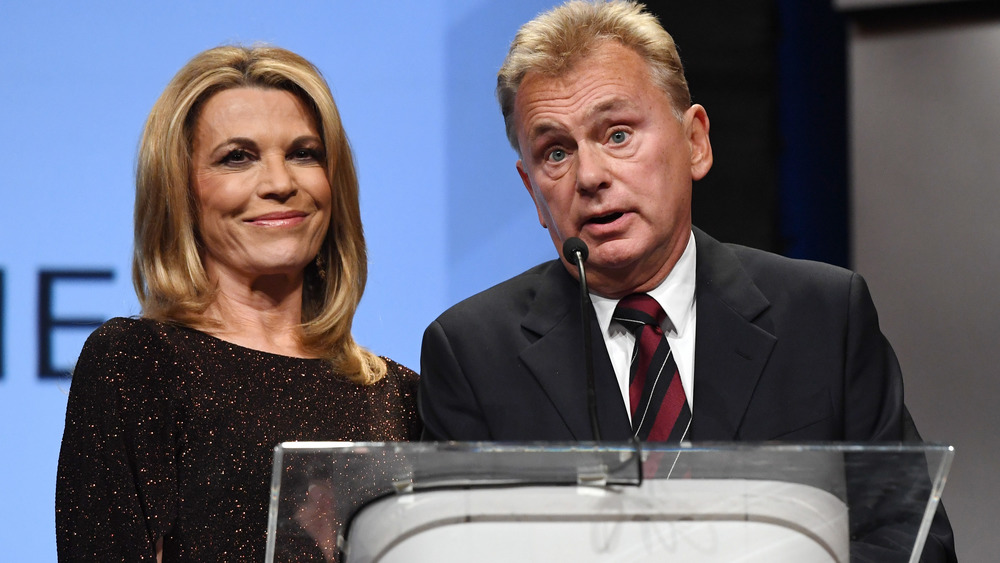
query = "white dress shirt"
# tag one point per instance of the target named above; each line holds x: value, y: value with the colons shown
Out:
x: 676, y: 295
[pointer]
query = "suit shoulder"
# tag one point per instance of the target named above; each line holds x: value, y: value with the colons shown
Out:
x: 767, y: 267
x: 805, y: 283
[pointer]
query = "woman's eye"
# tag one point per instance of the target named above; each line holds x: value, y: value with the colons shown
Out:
x: 619, y: 137
x: 306, y: 154
x: 236, y: 156
x: 557, y: 155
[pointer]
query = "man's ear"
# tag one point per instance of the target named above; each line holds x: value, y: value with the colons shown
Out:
x: 696, y: 124
x: 526, y: 180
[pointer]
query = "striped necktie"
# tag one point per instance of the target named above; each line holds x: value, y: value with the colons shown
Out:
x: 657, y: 402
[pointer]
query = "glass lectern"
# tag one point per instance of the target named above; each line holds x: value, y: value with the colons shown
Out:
x: 389, y: 502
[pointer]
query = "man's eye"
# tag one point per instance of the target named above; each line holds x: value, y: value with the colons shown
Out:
x: 557, y: 155
x: 619, y: 137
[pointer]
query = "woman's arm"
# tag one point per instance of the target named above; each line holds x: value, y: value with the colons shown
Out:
x: 116, y: 477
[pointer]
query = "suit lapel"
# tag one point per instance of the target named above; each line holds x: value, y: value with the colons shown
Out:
x: 556, y: 358
x: 732, y: 343
x: 732, y: 346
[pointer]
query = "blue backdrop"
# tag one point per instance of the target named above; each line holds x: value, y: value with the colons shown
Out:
x: 444, y: 210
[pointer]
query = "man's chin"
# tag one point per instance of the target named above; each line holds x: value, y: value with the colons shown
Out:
x: 615, y: 255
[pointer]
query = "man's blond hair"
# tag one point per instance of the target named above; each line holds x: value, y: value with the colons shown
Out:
x: 552, y: 42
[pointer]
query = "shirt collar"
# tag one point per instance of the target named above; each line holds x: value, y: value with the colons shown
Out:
x: 675, y: 294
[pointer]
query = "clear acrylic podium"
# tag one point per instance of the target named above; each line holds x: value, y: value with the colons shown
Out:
x: 395, y: 502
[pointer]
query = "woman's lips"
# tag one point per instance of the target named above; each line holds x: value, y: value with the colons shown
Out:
x: 278, y: 219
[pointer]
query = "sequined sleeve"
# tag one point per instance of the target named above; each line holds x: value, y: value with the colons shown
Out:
x: 117, y: 465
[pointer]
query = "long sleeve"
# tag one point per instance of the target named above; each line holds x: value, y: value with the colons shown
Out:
x: 116, y: 481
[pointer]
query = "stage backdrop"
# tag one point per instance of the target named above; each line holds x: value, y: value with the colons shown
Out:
x: 444, y: 210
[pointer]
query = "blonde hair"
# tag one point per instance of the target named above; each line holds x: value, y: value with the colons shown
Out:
x: 552, y: 42
x: 167, y: 270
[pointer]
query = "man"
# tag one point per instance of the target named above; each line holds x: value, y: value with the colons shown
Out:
x: 752, y: 346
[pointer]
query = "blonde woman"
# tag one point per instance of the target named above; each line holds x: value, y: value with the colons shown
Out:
x: 249, y: 264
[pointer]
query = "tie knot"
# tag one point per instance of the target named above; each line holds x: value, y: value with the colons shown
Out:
x: 637, y: 310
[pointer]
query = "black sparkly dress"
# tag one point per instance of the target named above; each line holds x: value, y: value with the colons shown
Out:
x: 170, y: 433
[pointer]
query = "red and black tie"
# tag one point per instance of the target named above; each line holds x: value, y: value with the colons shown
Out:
x: 659, y: 408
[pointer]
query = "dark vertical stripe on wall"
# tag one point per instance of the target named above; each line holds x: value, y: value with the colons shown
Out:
x: 813, y: 178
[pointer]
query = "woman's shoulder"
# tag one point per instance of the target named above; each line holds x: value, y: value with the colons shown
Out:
x: 119, y: 327
x: 398, y: 371
x: 398, y: 377
x: 130, y: 346
x: 131, y: 333
x: 401, y: 392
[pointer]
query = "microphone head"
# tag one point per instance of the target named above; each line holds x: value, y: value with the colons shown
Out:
x: 571, y: 247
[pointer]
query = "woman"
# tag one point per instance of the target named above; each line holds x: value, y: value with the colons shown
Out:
x: 249, y: 264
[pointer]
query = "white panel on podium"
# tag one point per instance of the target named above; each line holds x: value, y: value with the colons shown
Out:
x: 706, y: 520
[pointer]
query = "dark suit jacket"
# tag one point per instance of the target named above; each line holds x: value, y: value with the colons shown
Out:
x: 785, y: 350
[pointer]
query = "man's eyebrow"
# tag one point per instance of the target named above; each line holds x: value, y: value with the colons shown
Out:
x: 542, y: 129
x: 612, y: 104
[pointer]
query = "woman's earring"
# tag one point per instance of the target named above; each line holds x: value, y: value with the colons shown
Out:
x: 321, y: 266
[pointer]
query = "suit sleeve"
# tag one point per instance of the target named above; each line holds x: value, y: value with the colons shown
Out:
x: 874, y: 381
x: 448, y: 404
x: 876, y: 413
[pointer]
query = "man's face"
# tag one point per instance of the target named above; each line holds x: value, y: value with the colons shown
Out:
x: 605, y: 159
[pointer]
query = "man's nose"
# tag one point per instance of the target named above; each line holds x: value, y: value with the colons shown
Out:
x: 592, y: 172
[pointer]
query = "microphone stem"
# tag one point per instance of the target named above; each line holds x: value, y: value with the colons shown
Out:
x: 588, y: 349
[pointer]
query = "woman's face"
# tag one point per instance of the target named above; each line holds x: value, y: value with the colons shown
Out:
x: 257, y: 174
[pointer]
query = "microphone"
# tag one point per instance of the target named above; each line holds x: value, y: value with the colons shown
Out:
x: 575, y: 252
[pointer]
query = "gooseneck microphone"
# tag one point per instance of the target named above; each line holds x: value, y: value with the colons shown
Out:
x: 575, y: 252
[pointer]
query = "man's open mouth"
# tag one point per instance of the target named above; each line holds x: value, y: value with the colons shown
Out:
x: 605, y: 219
